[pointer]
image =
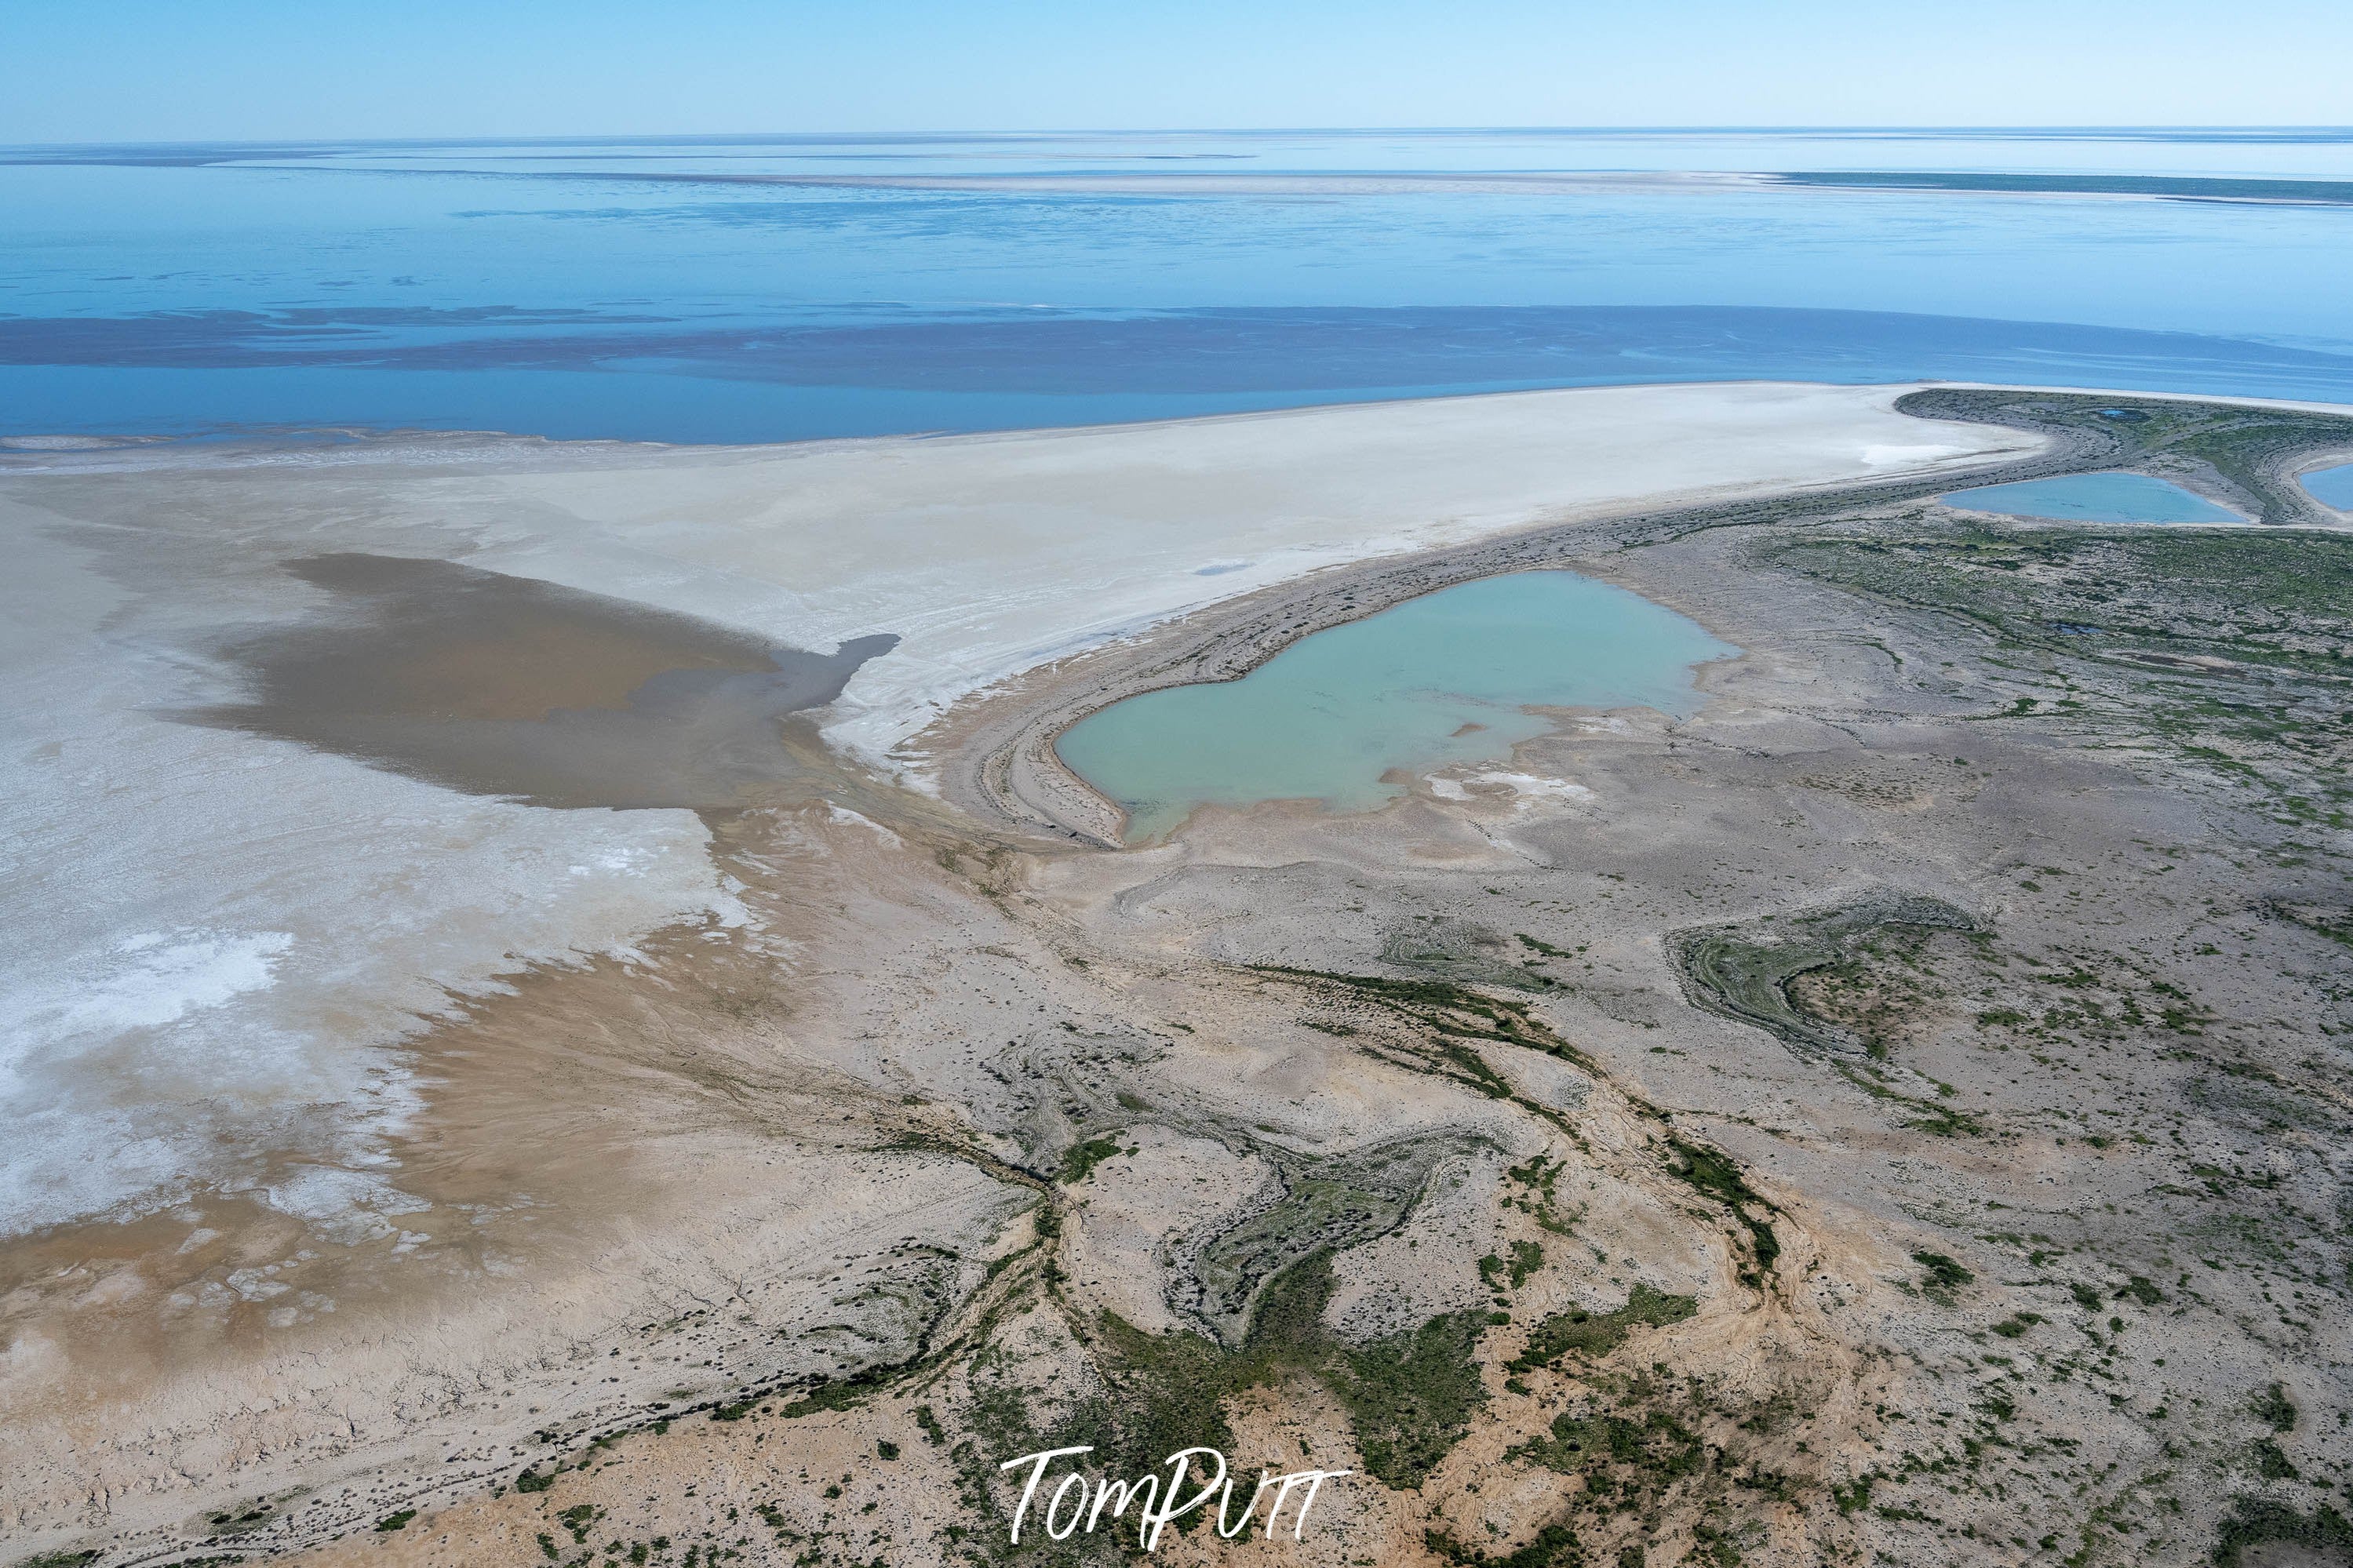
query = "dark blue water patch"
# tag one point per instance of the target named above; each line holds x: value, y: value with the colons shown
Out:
x: 366, y: 334
x: 571, y: 405
x: 2332, y: 487
x: 637, y: 373
x: 1227, y: 350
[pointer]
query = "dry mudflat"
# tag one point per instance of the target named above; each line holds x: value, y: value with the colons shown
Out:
x: 1895, y: 1115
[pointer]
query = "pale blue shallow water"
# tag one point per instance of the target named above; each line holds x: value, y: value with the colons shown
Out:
x: 1444, y: 679
x: 764, y: 288
x: 2093, y: 497
x: 2332, y: 486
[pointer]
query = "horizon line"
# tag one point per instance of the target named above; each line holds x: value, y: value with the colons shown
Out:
x: 2283, y: 130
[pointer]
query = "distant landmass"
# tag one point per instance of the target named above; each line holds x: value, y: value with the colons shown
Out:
x: 2179, y: 187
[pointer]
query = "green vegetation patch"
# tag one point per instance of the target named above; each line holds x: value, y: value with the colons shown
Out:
x: 1554, y: 1546
x: 2274, y: 1409
x: 1328, y: 1203
x: 1500, y: 1273
x: 2260, y: 1521
x: 1595, y: 1334
x: 1713, y: 1172
x: 1078, y: 1161
x: 1653, y: 1443
x: 1537, y: 1198
x: 1410, y: 1395
x: 1944, y: 1275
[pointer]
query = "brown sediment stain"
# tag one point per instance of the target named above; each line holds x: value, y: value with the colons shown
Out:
x: 511, y: 687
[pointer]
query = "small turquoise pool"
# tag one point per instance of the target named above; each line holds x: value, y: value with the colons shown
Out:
x: 1444, y: 679
x: 2093, y: 497
x: 2332, y: 487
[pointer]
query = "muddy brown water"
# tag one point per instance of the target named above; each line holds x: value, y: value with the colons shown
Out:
x: 511, y: 687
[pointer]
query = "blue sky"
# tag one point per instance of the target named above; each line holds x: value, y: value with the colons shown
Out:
x: 206, y: 69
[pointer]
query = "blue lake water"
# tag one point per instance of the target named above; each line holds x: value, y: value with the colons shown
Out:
x: 2094, y: 498
x: 1444, y: 679
x: 2333, y: 486
x: 760, y: 289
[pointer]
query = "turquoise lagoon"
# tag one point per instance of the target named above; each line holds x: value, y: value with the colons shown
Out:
x: 2332, y: 487
x: 1448, y: 677
x: 2093, y: 497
